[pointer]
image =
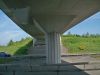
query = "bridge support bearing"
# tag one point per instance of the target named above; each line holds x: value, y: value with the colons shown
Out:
x: 53, y: 54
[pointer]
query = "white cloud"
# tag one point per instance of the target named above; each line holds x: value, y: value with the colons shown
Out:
x: 6, y: 36
x: 9, y: 30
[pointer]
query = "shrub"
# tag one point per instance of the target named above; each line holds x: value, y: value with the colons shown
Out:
x: 82, y: 47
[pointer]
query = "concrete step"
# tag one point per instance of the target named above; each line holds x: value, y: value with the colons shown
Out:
x: 97, y: 72
x: 54, y: 69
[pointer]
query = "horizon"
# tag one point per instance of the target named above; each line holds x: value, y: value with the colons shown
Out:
x: 90, y: 25
x: 11, y: 31
x: 82, y: 34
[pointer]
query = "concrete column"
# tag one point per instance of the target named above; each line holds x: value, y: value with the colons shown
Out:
x: 53, y: 48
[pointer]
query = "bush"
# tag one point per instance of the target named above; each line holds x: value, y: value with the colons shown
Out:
x: 82, y: 47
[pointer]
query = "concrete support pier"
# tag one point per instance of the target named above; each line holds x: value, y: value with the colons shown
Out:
x: 53, y: 55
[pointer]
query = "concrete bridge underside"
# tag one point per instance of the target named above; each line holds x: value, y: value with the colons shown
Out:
x: 46, y: 20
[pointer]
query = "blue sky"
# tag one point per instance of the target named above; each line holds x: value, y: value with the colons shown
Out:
x: 10, y: 31
x: 91, y: 25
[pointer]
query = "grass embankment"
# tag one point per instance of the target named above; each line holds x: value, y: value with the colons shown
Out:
x: 17, y: 48
x: 76, y: 44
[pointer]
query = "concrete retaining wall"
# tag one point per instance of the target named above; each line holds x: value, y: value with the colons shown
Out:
x: 54, y: 69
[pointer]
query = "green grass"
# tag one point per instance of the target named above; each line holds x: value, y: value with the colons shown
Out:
x: 74, y: 44
x: 17, y: 48
x: 81, y: 44
x: 5, y: 60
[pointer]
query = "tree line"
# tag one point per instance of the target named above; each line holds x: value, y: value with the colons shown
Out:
x: 11, y: 42
x: 83, y: 35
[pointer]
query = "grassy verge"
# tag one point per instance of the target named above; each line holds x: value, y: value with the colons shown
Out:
x: 17, y: 48
x: 5, y: 60
x: 81, y: 45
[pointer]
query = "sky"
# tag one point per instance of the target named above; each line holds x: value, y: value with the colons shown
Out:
x: 90, y: 25
x: 10, y: 31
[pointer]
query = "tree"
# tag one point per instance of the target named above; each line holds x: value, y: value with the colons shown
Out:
x: 10, y: 43
x: 87, y: 34
x: 69, y: 33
